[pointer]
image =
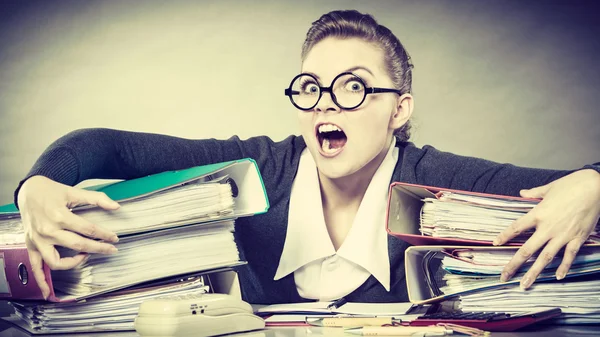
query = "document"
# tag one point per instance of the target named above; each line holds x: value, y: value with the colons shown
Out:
x: 11, y: 228
x: 578, y: 300
x: 426, y: 215
x: 169, y: 224
x: 471, y: 217
x: 436, y: 273
x: 150, y: 256
x: 463, y: 275
x: 349, y: 308
x: 197, y: 201
x: 111, y: 312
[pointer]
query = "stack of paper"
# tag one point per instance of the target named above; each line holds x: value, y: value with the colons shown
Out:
x: 11, y: 227
x: 473, y: 275
x: 476, y: 269
x: 197, y: 201
x: 12, y: 232
x: 471, y: 217
x: 115, y: 311
x: 174, y: 224
x: 163, y: 227
x: 578, y: 300
x: 458, y: 216
x: 293, y: 314
x: 150, y: 256
x: 350, y: 308
x: 452, y: 263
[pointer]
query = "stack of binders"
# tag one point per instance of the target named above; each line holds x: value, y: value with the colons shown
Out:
x: 175, y: 228
x: 453, y: 258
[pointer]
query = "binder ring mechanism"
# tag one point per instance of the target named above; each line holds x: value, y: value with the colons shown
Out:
x: 234, y: 189
x: 225, y: 179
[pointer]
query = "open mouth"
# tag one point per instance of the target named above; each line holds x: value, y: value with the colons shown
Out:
x: 331, y: 138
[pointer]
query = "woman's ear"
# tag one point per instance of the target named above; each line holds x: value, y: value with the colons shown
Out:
x: 404, y: 109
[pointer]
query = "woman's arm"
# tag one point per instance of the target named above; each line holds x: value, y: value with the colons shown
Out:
x: 115, y: 154
x: 431, y: 167
x: 45, y: 196
x: 565, y: 218
x: 567, y: 214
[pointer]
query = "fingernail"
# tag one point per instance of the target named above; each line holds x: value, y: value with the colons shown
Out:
x: 560, y: 275
x: 114, y: 239
x: 525, y: 282
x: 496, y: 242
x: 504, y: 276
x: 113, y: 250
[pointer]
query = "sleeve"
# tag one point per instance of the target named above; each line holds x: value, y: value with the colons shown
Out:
x: 431, y: 167
x: 115, y: 154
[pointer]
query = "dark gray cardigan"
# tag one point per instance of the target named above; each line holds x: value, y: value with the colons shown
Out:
x: 113, y: 154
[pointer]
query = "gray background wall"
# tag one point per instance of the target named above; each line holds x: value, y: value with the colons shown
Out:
x: 510, y: 81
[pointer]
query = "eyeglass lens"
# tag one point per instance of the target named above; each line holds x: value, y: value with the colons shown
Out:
x: 348, y: 91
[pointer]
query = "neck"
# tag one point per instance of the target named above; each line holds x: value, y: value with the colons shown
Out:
x: 349, y: 191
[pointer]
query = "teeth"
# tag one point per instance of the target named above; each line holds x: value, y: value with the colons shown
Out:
x: 327, y: 147
x: 328, y: 128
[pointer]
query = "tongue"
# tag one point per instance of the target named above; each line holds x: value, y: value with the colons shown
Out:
x: 337, y: 143
x: 331, y: 145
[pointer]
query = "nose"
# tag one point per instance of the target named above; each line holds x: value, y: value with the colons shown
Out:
x: 326, y: 103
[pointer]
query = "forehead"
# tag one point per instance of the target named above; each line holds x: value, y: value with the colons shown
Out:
x: 332, y: 56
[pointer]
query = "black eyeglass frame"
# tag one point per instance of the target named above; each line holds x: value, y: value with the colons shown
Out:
x: 368, y: 90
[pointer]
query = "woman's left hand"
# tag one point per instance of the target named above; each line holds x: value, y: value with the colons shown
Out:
x: 566, y: 216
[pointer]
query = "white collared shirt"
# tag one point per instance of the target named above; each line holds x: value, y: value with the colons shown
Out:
x: 320, y: 272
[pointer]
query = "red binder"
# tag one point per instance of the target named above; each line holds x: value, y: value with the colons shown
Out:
x: 20, y: 282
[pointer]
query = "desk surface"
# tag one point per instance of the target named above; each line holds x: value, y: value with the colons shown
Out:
x: 6, y: 329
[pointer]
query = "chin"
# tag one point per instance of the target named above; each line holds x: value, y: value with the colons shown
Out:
x: 336, y: 168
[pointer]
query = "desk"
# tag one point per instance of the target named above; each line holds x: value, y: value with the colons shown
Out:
x: 7, y: 330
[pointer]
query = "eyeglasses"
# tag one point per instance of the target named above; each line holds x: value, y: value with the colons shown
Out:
x: 348, y: 91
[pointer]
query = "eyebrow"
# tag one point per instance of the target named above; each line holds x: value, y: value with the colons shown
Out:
x: 349, y: 70
x: 359, y: 68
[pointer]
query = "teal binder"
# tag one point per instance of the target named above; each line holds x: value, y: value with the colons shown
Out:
x: 8, y: 209
x: 251, y: 198
x: 244, y: 172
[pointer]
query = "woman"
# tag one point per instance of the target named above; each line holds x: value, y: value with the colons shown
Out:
x: 328, y: 187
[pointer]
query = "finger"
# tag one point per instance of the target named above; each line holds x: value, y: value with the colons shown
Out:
x: 107, y: 203
x: 571, y: 251
x: 536, y: 192
x: 543, y: 259
x: 78, y: 196
x: 37, y: 268
x: 52, y: 258
x: 518, y: 226
x: 80, y: 225
x: 69, y: 262
x: 525, y: 252
x: 81, y: 244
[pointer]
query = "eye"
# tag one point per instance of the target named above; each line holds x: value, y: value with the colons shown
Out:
x: 354, y: 85
x: 309, y: 87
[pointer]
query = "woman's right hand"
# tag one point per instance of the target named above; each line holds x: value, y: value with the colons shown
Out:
x: 45, y: 207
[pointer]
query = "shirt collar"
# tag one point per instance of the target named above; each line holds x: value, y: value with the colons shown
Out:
x: 307, y: 238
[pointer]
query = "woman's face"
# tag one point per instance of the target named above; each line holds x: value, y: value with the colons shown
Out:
x: 341, y: 141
